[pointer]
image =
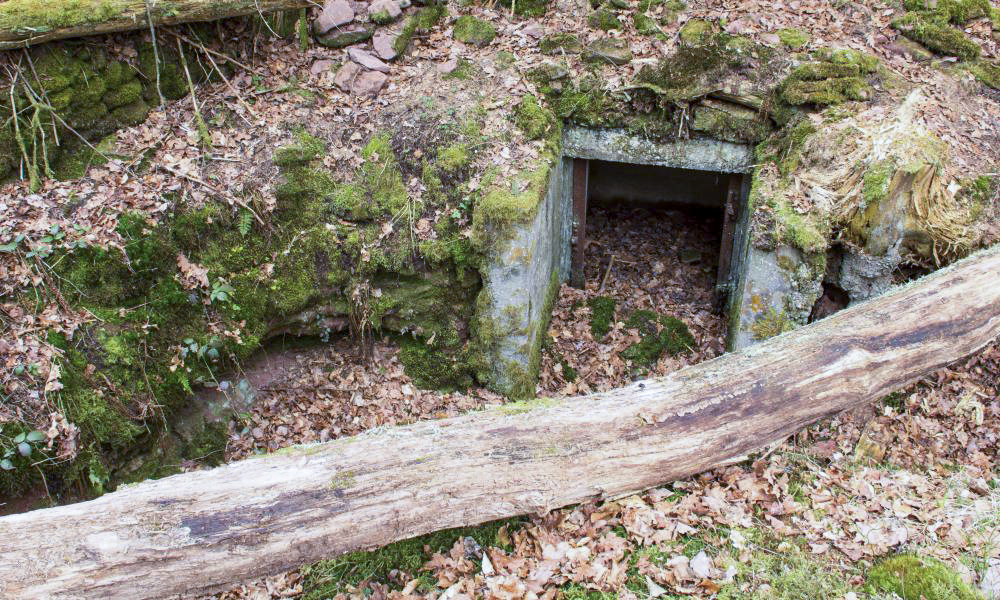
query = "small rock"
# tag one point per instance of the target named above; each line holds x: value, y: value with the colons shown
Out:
x: 384, y: 11
x: 335, y: 13
x: 534, y: 31
x: 550, y: 71
x: 385, y: 45
x: 369, y: 83
x: 341, y: 37
x: 448, y: 66
x: 347, y: 75
x: 322, y: 66
x: 610, y: 50
x: 367, y: 60
x: 911, y: 50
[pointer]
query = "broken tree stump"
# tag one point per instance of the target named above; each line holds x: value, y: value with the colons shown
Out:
x: 29, y: 22
x: 200, y: 532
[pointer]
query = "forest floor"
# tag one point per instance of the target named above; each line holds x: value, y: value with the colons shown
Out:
x: 808, y: 518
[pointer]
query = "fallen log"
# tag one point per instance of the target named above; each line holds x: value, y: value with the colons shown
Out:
x: 29, y: 22
x: 200, y: 532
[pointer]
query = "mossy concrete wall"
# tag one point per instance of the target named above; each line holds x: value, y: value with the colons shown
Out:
x: 521, y: 283
x: 620, y: 146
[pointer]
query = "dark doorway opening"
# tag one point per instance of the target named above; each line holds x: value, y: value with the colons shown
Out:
x: 692, y: 213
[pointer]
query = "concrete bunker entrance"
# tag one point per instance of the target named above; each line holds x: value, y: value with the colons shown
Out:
x: 680, y: 222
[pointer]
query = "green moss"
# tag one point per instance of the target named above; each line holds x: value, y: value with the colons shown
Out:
x: 560, y: 43
x: 826, y: 92
x: 507, y: 203
x: 420, y: 23
x: 126, y: 94
x: 936, y: 36
x: 986, y: 72
x: 818, y: 71
x: 454, y: 158
x: 328, y: 578
x: 794, y: 39
x: 527, y: 8
x: 475, y: 31
x: 659, y: 333
x: 876, y: 182
x: 646, y: 25
x: 432, y: 366
x: 725, y: 125
x: 770, y: 324
x: 919, y: 578
x: 696, y: 32
x: 958, y: 12
x: 604, y: 19
x: 31, y: 15
x: 307, y: 149
x: 849, y: 56
x: 465, y: 70
x: 533, y: 119
x: 602, y: 315
x: 789, y: 575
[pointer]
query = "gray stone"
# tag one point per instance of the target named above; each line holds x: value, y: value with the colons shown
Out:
x: 341, y: 37
x: 609, y: 50
x: 618, y: 146
x: 518, y: 280
x: 367, y: 60
x: 385, y: 45
x: 384, y: 11
x: 550, y: 71
x: 334, y: 14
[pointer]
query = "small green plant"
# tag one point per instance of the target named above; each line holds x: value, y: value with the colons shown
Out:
x: 221, y: 292
x: 660, y: 333
x: 23, y: 445
x: 209, y: 350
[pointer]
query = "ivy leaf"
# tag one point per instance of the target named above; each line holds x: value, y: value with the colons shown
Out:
x: 24, y: 449
x: 6, y: 465
x: 35, y: 436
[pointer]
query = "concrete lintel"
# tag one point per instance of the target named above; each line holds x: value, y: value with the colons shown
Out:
x: 619, y: 146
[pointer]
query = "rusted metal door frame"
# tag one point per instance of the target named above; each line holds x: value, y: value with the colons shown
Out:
x: 730, y: 216
x: 581, y: 175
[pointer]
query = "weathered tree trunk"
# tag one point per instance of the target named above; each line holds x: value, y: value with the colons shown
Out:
x: 200, y: 532
x: 28, y: 22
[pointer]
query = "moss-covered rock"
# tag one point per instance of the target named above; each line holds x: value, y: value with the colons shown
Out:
x: 794, y: 39
x: 835, y: 77
x: 914, y: 577
x: 420, y: 23
x: 937, y: 36
x: 604, y: 19
x: 533, y: 119
x: 697, y: 32
x: 987, y: 72
x: 475, y: 31
x: 561, y: 43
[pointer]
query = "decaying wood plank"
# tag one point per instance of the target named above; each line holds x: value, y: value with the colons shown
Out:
x: 29, y: 22
x: 199, y: 532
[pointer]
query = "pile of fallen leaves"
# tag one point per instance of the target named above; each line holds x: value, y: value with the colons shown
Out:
x: 662, y: 260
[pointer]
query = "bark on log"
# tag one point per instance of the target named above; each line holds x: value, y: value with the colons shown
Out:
x: 29, y: 22
x: 200, y: 532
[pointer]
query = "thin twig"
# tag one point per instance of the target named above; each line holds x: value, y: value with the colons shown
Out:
x: 156, y: 52
x: 232, y: 89
x: 203, y: 134
x: 607, y: 272
x: 214, y: 190
x: 210, y: 51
